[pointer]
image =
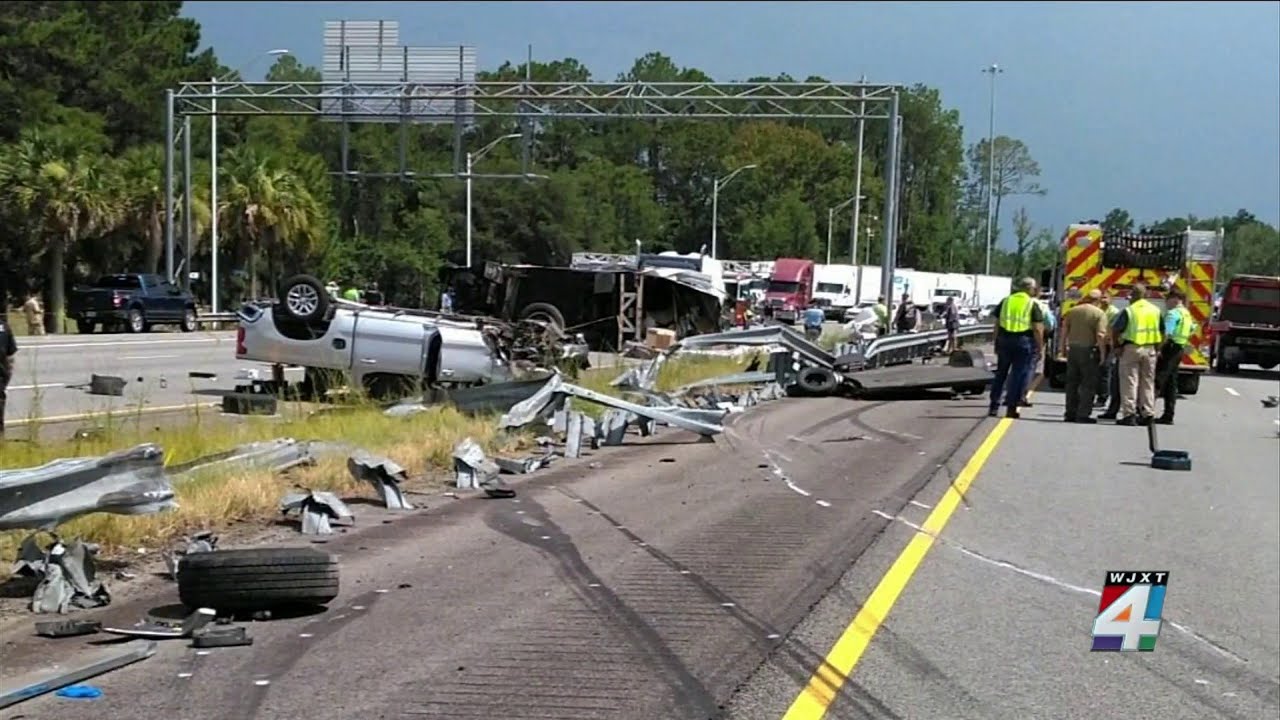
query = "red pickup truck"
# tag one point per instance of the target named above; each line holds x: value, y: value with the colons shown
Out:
x: 1246, y: 329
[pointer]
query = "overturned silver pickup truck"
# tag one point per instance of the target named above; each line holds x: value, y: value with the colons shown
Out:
x: 391, y: 351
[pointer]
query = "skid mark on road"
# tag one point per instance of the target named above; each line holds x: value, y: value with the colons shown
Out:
x: 1050, y: 580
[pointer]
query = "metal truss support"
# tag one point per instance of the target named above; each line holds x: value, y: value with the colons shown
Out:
x: 530, y: 103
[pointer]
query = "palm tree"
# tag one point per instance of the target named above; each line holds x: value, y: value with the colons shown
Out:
x: 66, y: 196
x: 267, y: 208
x: 141, y: 173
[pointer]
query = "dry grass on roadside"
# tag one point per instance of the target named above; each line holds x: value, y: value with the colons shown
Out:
x: 422, y: 443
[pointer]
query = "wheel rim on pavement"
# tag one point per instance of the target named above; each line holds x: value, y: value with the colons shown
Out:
x: 302, y: 300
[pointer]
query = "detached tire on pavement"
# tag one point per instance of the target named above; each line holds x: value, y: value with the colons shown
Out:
x: 817, y: 381
x: 257, y: 579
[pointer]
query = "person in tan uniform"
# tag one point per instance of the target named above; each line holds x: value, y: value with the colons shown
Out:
x: 34, y: 314
x: 1084, y: 336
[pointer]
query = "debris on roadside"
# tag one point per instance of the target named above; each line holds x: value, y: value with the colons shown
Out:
x: 275, y: 456
x: 316, y: 508
x: 212, y: 636
x: 61, y: 675
x: 384, y: 475
x: 471, y: 466
x: 160, y: 631
x: 203, y: 541
x: 67, y: 628
x: 67, y: 576
x: 232, y: 582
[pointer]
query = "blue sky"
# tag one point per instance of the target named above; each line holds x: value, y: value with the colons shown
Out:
x: 1161, y: 108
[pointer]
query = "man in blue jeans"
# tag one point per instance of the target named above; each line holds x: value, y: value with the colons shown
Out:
x: 1019, y: 336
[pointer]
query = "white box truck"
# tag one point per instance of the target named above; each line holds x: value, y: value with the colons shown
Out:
x: 833, y: 289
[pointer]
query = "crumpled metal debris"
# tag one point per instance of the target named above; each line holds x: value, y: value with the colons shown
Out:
x: 552, y: 395
x: 69, y: 579
x: 128, y: 482
x: 317, y: 508
x: 384, y: 475
x: 274, y: 455
x: 471, y: 466
x: 203, y: 541
x: 159, y: 631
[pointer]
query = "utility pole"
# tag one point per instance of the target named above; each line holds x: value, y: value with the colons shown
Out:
x: 993, y: 70
x: 831, y: 220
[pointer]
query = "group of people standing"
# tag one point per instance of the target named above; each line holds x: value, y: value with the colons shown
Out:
x: 1115, y: 358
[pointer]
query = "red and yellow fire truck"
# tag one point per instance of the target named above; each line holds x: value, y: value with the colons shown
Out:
x: 1112, y: 262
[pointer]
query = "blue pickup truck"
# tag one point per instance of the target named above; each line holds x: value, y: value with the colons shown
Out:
x: 133, y: 302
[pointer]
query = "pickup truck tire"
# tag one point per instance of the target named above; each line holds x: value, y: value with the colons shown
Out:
x: 257, y: 579
x: 817, y: 381
x: 84, y: 327
x: 304, y: 298
x: 188, y: 320
x: 545, y: 312
x: 137, y: 322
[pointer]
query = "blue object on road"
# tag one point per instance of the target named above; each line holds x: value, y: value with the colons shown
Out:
x: 80, y: 692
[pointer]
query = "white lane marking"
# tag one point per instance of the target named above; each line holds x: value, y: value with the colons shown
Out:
x: 74, y: 345
x: 921, y: 505
x: 1232, y: 391
x: 37, y: 386
x: 184, y: 674
x: 148, y: 357
x: 822, y: 503
x: 1049, y: 580
x: 261, y: 683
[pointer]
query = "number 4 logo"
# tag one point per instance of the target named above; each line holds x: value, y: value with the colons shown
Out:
x: 1134, y: 617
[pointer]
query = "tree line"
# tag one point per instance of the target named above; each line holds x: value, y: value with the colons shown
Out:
x: 82, y: 185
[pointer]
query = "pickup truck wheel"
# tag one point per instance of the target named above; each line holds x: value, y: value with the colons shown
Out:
x: 137, y: 321
x: 85, y: 327
x: 545, y: 312
x: 1189, y: 383
x: 189, y: 320
x: 257, y: 579
x: 304, y: 298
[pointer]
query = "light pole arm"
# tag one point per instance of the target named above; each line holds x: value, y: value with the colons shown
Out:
x: 484, y: 150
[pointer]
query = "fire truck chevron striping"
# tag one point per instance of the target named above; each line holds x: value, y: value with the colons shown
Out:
x: 1111, y: 264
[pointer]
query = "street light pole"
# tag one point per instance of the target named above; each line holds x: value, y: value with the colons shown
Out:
x: 831, y: 219
x: 471, y: 159
x: 715, y: 202
x: 857, y: 187
x: 993, y: 70
x: 866, y: 256
x: 213, y: 180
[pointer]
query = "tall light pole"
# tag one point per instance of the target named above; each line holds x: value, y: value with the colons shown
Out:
x: 471, y: 159
x: 857, y: 185
x: 715, y: 202
x: 213, y: 174
x: 993, y: 70
x: 831, y: 220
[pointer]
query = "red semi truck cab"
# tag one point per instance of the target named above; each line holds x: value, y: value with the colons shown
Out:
x: 790, y: 288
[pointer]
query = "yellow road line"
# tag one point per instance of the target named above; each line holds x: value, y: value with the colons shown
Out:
x: 119, y: 413
x: 825, y: 684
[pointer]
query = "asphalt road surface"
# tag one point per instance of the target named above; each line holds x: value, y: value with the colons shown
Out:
x: 691, y: 580
x: 648, y: 587
x: 996, y: 620
x: 156, y: 366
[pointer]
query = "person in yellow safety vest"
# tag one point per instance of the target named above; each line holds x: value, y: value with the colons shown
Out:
x: 1137, y: 334
x: 352, y: 294
x: 1178, y: 327
x: 1019, y: 337
x: 882, y: 316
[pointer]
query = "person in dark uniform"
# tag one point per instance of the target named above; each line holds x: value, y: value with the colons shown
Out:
x: 8, y: 348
